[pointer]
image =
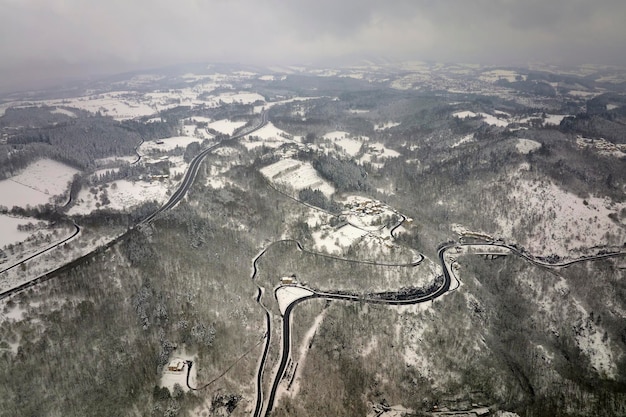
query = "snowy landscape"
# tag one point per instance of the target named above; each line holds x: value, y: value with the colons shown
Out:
x: 413, y: 240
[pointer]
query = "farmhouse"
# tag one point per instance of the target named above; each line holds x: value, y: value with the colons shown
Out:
x: 176, y: 365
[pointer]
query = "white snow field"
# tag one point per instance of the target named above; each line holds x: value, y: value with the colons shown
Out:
x: 123, y: 195
x: 297, y: 175
x: 36, y: 184
x: 527, y: 146
x: 168, y: 144
x: 226, y: 126
x: 8, y: 230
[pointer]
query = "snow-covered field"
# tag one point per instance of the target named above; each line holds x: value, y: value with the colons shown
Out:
x: 123, y: 194
x: 526, y: 146
x: 226, y: 126
x: 298, y: 175
x: 487, y: 118
x: 335, y: 241
x: 8, y: 230
x: 554, y: 119
x: 386, y: 125
x: 504, y: 119
x: 115, y: 160
x: 167, y: 144
x: 36, y: 184
x: 350, y: 146
x: 66, y: 112
x: 269, y: 132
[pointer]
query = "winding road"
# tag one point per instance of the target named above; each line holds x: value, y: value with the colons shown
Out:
x: 263, y: 407
x: 178, y: 195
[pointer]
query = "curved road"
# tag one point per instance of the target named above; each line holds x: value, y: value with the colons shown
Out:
x: 76, y: 232
x: 433, y: 293
x: 260, y: 405
x: 178, y: 195
x: 194, y: 167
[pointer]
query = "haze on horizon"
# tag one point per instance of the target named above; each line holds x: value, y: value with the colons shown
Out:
x: 46, y: 40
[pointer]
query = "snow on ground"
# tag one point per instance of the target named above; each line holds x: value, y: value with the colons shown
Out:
x: 465, y: 139
x: 115, y: 160
x: 298, y: 175
x: 392, y: 411
x: 53, y: 259
x: 104, y: 171
x: 602, y: 146
x: 240, y: 97
x: 46, y: 175
x: 225, y: 151
x: 171, y: 378
x: 589, y: 339
x: 266, y: 78
x: 59, y: 110
x: 269, y: 132
x: 287, y: 294
x: 226, y: 126
x: 36, y: 184
x: 487, y: 118
x: 301, y: 358
x: 334, y: 241
x: 317, y: 218
x: 123, y: 194
x: 554, y: 119
x: 358, y: 111
x: 556, y: 221
x: 167, y: 144
x: 351, y: 146
x: 464, y: 114
x: 335, y: 135
x: 8, y: 230
x: 381, y: 151
x: 527, y: 146
x: 493, y: 120
x: 199, y: 119
x: 120, y: 105
x: 386, y: 125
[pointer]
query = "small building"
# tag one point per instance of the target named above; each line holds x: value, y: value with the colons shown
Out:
x: 177, y: 365
x: 287, y: 280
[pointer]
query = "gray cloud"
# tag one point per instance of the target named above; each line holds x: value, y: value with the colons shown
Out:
x: 41, y: 38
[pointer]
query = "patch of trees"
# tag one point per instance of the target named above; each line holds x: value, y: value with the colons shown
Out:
x: 15, y: 158
x: 80, y: 141
x: 318, y: 199
x: 37, y: 117
x: 346, y: 175
x: 166, y: 128
x: 596, y: 126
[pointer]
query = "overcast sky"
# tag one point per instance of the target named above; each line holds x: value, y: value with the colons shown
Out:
x: 51, y: 38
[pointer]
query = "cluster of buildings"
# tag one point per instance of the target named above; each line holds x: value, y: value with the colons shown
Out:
x: 601, y: 145
x: 364, y: 207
